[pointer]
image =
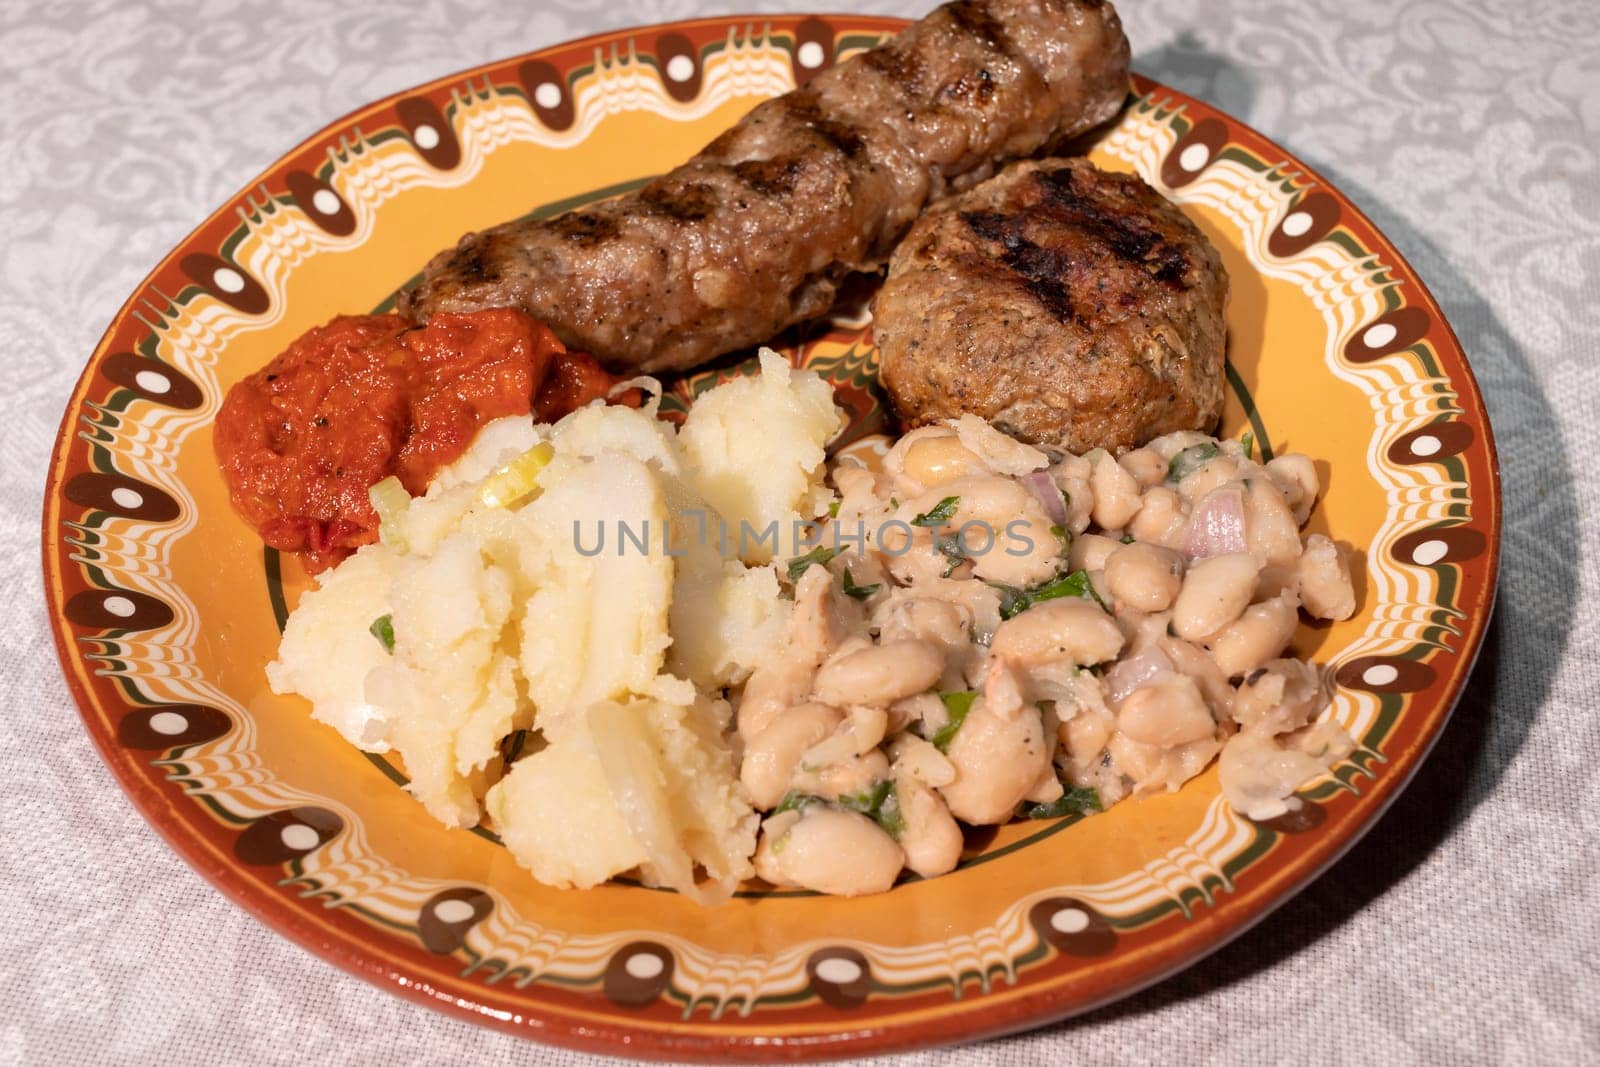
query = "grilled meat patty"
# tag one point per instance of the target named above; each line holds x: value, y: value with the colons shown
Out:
x: 1064, y: 304
x: 755, y: 232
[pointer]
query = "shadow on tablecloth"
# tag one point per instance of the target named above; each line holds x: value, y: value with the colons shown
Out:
x: 1524, y: 644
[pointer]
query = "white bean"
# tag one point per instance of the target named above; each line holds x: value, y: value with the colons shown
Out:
x: 1325, y: 584
x: 1003, y: 529
x: 854, y: 775
x: 1215, y: 591
x: 932, y: 838
x: 1089, y: 552
x: 1144, y: 576
x: 1296, y: 475
x: 1161, y: 518
x: 939, y: 457
x: 1270, y: 529
x: 776, y: 686
x: 1070, y: 629
x: 997, y: 760
x: 841, y: 853
x: 882, y: 674
x: 1116, y: 492
x: 1166, y: 711
x: 772, y: 756
x: 1169, y: 445
x: 1146, y: 467
x: 1259, y: 634
x: 1217, y: 472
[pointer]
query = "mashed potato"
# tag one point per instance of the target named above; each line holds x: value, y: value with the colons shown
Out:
x: 601, y: 612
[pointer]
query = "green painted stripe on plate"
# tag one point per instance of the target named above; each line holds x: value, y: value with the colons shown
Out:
x: 1246, y: 401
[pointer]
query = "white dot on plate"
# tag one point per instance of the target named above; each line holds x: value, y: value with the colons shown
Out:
x: 810, y: 55
x: 120, y: 606
x: 1429, y: 552
x: 452, y: 911
x: 548, y: 94
x: 1380, y: 674
x: 426, y: 137
x: 123, y: 497
x: 838, y: 970
x: 1379, y: 335
x: 644, y: 965
x: 299, y: 837
x: 1297, y: 223
x: 228, y: 280
x: 1070, y: 920
x: 326, y: 201
x: 680, y: 68
x: 152, y: 382
x: 1194, y: 157
x: 1426, y: 445
x: 168, y: 723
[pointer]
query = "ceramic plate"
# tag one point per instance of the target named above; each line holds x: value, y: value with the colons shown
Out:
x: 166, y: 608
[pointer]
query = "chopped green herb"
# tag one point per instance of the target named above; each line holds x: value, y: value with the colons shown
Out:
x: 1077, y: 800
x: 888, y: 814
x: 859, y: 592
x: 958, y: 705
x: 833, y: 510
x: 894, y: 502
x: 1014, y: 602
x: 939, y: 514
x: 383, y: 629
x: 819, y: 556
x: 1190, y: 460
x: 877, y: 802
x: 1127, y: 539
x: 869, y: 799
x: 950, y: 549
x: 794, y: 800
x: 1063, y: 536
x: 1248, y: 444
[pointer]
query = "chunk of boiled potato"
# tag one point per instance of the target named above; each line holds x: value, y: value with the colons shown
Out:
x: 450, y: 689
x: 328, y: 647
x: 646, y: 784
x: 555, y: 813
x: 755, y: 448
x: 595, y: 627
x: 726, y: 619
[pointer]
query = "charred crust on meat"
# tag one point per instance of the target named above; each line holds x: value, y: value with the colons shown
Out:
x: 685, y: 203
x: 973, y: 18
x: 583, y: 228
x: 472, y: 265
x: 1126, y: 235
x: 843, y: 137
x: 1043, y: 271
x: 769, y: 177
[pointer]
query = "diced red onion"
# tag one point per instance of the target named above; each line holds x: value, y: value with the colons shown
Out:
x: 1041, y: 485
x: 1217, y: 526
x: 1129, y: 674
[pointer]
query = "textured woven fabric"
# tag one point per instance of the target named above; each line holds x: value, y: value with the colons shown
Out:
x: 1461, y: 930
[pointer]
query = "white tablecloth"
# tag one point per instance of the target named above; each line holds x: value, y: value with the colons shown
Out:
x: 1463, y: 929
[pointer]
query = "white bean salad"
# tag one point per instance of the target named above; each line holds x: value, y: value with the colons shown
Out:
x: 987, y: 631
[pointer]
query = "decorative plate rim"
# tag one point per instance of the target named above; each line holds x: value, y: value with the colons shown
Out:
x: 277, y: 908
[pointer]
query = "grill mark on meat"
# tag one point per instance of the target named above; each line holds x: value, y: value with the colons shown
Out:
x: 471, y: 263
x: 584, y: 229
x: 975, y: 19
x: 685, y: 203
x: 844, y: 137
x: 1125, y: 234
x: 1044, y: 271
x: 769, y: 177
